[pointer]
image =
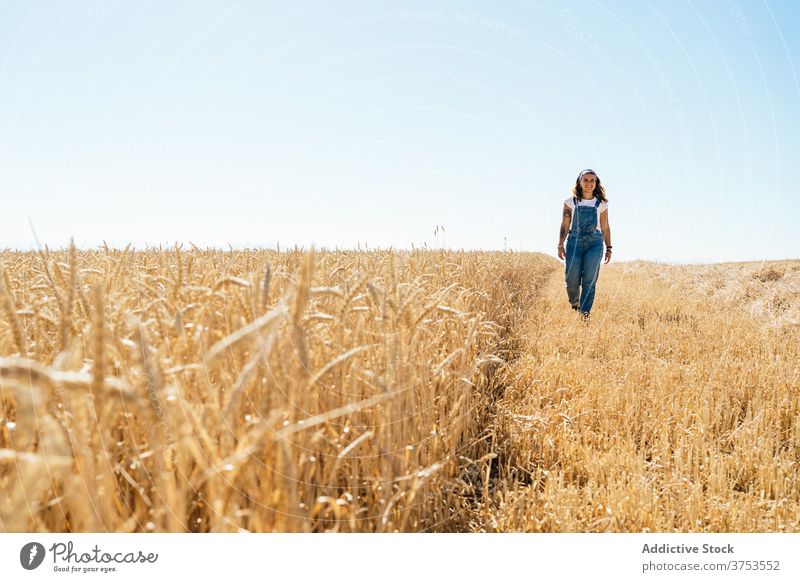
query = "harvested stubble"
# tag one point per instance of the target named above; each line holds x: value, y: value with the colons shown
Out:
x: 677, y: 409
x: 166, y: 390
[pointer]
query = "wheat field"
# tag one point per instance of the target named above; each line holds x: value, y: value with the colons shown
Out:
x: 199, y: 390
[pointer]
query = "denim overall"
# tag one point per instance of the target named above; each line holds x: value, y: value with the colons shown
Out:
x: 583, y: 253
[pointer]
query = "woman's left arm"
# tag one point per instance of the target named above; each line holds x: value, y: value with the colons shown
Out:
x: 606, y: 228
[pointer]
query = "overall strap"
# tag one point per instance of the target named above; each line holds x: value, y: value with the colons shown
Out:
x: 574, y: 222
x: 596, y: 202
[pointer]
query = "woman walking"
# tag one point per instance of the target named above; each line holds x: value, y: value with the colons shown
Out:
x: 585, y: 219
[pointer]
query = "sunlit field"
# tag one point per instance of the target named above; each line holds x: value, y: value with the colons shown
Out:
x: 190, y: 390
x: 676, y: 409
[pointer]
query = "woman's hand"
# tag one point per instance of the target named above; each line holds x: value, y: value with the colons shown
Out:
x: 608, y: 256
x: 561, y: 252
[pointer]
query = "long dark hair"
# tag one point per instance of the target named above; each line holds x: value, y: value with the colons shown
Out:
x: 599, y: 191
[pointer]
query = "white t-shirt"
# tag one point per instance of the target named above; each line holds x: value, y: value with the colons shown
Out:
x: 600, y: 209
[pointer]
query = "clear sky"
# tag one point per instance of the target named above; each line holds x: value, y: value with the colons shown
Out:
x: 341, y: 123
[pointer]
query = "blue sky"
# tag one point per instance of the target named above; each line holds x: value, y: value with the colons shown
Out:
x: 342, y: 123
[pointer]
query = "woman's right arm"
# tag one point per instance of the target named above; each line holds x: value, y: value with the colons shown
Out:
x: 566, y: 219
